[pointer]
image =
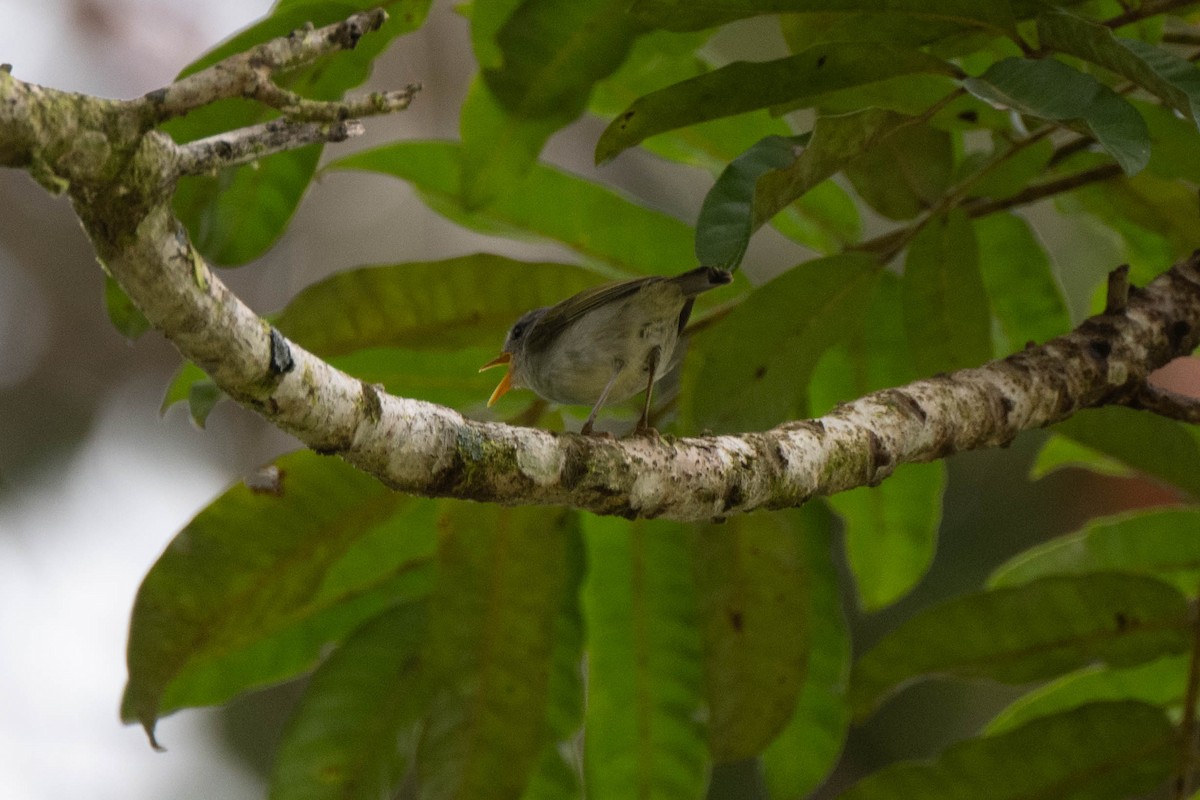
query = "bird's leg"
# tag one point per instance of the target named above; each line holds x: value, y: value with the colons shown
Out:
x: 643, y: 426
x: 618, y: 365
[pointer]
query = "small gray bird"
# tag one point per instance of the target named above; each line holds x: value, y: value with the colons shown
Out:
x: 604, y: 344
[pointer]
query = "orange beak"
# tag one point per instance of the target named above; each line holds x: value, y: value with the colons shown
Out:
x: 505, y: 382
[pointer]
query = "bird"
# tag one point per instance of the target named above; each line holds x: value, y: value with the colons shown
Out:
x: 605, y: 344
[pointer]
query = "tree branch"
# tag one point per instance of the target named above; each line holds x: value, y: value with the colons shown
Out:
x: 120, y: 182
x: 246, y: 145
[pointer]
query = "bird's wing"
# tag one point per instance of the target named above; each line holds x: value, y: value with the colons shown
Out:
x: 558, y: 318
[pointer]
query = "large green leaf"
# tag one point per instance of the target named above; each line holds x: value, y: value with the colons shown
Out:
x: 353, y: 733
x: 919, y: 163
x: 752, y: 371
x: 263, y: 578
x: 688, y: 15
x: 1007, y: 169
x: 235, y: 215
x: 594, y: 221
x: 553, y: 52
x: 1095, y: 752
x: 1156, y: 446
x: 440, y: 305
x: 1143, y: 206
x: 1159, y: 71
x: 805, y: 751
x: 502, y: 578
x: 1161, y: 542
x: 1051, y: 90
x: 1028, y: 632
x: 660, y: 59
x: 645, y: 731
x: 556, y: 776
x: 891, y: 529
x: 498, y: 147
x: 1021, y: 284
x: 1160, y: 683
x: 1059, y: 452
x: 542, y: 60
x: 727, y: 217
x: 745, y: 86
x: 753, y: 608
x: 946, y: 310
x: 835, y: 142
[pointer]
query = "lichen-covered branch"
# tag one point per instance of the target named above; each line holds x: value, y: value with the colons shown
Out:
x: 119, y: 173
x: 247, y: 145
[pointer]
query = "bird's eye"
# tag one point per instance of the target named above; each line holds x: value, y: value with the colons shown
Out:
x: 518, y: 330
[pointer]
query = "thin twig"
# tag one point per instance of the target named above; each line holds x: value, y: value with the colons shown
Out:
x: 1117, y: 299
x: 1166, y: 403
x: 249, y: 74
x: 246, y: 145
x: 1145, y: 11
x: 891, y: 242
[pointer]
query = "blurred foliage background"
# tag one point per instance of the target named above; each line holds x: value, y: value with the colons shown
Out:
x: 375, y: 570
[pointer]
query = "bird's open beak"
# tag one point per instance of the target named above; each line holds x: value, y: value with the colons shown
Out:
x: 505, y: 382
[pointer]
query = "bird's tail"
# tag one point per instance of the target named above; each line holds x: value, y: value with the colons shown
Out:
x: 701, y: 280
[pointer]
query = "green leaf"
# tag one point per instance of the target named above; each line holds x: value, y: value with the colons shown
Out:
x: 1173, y: 141
x: 661, y: 59
x: 946, y: 310
x: 872, y: 358
x: 438, y: 305
x: 352, y: 735
x: 1060, y: 452
x: 1020, y: 280
x: 192, y: 384
x: 1051, y: 90
x: 753, y: 610
x: 919, y: 163
x: 539, y: 62
x: 891, y: 531
x: 1144, y: 205
x: 1098, y: 751
x: 805, y: 751
x: 1029, y: 632
x: 752, y: 371
x: 1161, y: 543
x: 688, y: 15
x: 644, y: 720
x: 835, y: 142
x: 253, y: 588
x: 1155, y: 446
x: 594, y: 221
x: 1159, y: 683
x: 437, y: 376
x: 498, y: 147
x: 824, y: 219
x: 237, y: 214
x: 1006, y: 177
x: 487, y: 18
x: 1160, y: 72
x: 745, y: 86
x: 490, y: 651
x: 557, y: 775
x: 727, y: 216
x: 127, y: 318
x: 554, y: 52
